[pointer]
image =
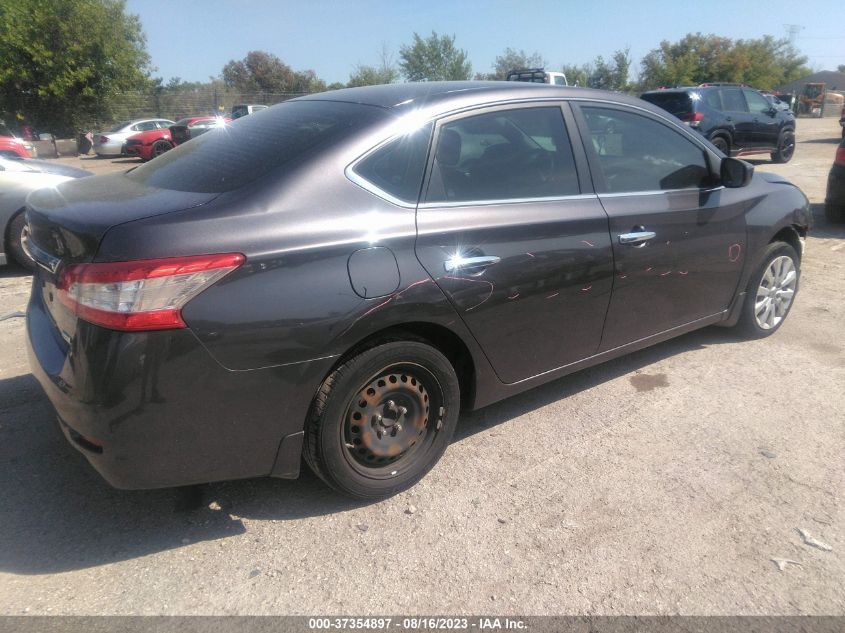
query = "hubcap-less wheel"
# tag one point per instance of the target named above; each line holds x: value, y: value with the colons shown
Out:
x: 775, y: 292
x: 392, y: 420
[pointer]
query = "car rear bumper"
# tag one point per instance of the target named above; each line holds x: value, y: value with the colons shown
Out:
x: 154, y: 409
x: 114, y: 148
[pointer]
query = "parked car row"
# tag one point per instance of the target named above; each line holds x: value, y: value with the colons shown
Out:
x: 148, y: 138
x: 147, y: 145
x: 336, y: 277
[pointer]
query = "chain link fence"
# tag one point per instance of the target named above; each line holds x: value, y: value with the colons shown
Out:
x: 174, y: 106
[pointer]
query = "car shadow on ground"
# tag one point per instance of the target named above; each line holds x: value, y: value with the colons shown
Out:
x: 822, y: 228
x: 59, y: 515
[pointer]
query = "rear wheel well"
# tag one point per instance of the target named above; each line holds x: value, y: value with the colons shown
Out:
x: 442, y: 339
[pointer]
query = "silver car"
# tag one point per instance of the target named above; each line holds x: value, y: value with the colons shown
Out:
x: 19, y: 177
x: 112, y: 142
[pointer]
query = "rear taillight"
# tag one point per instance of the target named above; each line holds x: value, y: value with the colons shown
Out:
x: 104, y: 140
x: 141, y: 295
x: 840, y: 156
x: 692, y: 118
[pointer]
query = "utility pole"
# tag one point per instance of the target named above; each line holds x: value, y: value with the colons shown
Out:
x: 792, y: 31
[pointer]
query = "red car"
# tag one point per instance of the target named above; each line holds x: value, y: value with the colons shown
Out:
x: 10, y: 145
x: 147, y: 145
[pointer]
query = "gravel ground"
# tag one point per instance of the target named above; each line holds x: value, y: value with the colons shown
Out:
x: 669, y: 481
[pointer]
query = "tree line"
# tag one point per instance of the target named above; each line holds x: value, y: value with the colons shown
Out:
x: 66, y: 63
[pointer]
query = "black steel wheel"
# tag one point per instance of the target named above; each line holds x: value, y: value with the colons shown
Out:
x: 785, y: 148
x: 382, y: 419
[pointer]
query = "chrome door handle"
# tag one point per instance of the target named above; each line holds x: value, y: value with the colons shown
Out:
x: 469, y: 264
x: 637, y: 237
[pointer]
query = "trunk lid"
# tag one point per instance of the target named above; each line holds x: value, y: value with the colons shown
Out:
x: 67, y: 222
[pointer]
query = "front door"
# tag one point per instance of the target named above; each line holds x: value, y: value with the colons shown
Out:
x: 678, y: 238
x: 506, y: 232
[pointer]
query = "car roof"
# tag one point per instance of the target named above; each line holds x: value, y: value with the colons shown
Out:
x: 443, y: 96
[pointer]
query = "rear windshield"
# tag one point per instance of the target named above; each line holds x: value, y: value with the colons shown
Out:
x: 674, y: 102
x: 119, y: 127
x: 232, y: 156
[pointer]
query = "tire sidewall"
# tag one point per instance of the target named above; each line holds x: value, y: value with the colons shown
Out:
x: 777, y: 155
x: 16, y: 227
x: 773, y: 251
x: 332, y: 450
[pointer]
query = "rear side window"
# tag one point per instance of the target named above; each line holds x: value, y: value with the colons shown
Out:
x: 509, y: 154
x: 711, y: 98
x: 733, y: 100
x: 397, y: 168
x: 272, y: 141
x: 635, y: 153
x: 675, y: 102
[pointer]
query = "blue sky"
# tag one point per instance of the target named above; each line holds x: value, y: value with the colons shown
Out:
x: 193, y: 39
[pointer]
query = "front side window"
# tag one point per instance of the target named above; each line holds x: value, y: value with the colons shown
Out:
x: 757, y: 103
x: 509, y: 154
x: 397, y: 167
x: 635, y: 153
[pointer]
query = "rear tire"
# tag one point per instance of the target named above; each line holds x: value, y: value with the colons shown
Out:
x: 382, y: 419
x: 786, y: 147
x: 771, y: 291
x: 722, y: 145
x: 15, y: 236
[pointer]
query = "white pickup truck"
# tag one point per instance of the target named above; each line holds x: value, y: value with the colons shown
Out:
x: 538, y: 76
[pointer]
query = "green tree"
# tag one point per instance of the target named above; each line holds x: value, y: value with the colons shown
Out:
x: 512, y: 59
x: 434, y: 59
x: 263, y: 72
x: 763, y: 63
x: 841, y: 68
x: 385, y: 73
x: 63, y: 63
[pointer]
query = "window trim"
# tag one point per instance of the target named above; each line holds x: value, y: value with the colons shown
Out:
x: 592, y: 157
x: 569, y: 107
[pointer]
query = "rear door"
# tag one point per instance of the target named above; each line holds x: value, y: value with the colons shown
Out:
x: 511, y: 232
x: 678, y: 238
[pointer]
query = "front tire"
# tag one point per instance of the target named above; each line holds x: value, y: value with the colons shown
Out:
x: 786, y: 147
x: 160, y: 148
x: 382, y: 419
x: 770, y: 292
x: 17, y: 227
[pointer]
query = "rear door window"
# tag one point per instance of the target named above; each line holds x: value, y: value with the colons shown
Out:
x: 677, y: 103
x: 712, y: 99
x: 272, y: 141
x: 507, y: 154
x: 733, y: 100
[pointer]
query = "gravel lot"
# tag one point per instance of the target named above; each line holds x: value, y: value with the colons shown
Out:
x: 664, y: 482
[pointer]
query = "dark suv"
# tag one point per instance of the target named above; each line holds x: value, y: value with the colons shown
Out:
x: 736, y: 119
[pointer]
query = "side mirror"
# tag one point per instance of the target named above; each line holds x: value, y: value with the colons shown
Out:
x: 735, y: 173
